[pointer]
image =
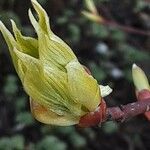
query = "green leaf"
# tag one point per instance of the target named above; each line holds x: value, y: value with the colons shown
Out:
x: 43, y: 17
x: 27, y: 44
x: 81, y: 82
x: 10, y: 42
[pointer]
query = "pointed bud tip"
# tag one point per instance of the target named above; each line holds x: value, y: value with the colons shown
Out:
x: 33, y: 1
x: 12, y: 23
x: 29, y: 10
x: 11, y: 20
x: 134, y: 66
x: 139, y: 78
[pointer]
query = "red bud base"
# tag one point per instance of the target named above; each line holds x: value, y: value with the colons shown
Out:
x: 144, y: 95
x: 94, y: 118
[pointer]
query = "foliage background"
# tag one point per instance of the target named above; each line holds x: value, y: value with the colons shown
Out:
x: 107, y: 51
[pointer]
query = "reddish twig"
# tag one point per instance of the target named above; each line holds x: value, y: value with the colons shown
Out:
x: 125, y: 28
x: 124, y: 112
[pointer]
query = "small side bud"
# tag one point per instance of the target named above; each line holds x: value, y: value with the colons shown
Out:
x: 142, y: 86
x: 92, y: 17
x: 91, y: 6
x: 139, y: 78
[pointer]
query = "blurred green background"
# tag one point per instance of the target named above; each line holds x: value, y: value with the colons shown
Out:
x: 107, y: 51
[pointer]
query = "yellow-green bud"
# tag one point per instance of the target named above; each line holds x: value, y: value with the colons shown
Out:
x: 139, y: 78
x: 91, y: 6
x: 60, y: 90
x: 92, y: 17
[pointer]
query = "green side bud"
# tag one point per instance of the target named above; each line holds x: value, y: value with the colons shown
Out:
x: 91, y: 6
x: 139, y: 78
x: 92, y: 17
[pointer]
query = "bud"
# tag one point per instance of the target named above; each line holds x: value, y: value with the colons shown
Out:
x: 142, y: 86
x: 92, y: 17
x: 139, y: 78
x: 60, y: 89
x: 93, y: 14
x: 91, y: 6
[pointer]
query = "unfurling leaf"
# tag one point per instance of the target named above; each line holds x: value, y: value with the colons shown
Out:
x: 60, y: 89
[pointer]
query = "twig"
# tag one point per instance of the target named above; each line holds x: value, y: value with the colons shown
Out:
x: 125, y: 28
x: 124, y: 112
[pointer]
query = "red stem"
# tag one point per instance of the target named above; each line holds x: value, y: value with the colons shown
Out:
x: 130, y: 110
x: 125, y: 28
